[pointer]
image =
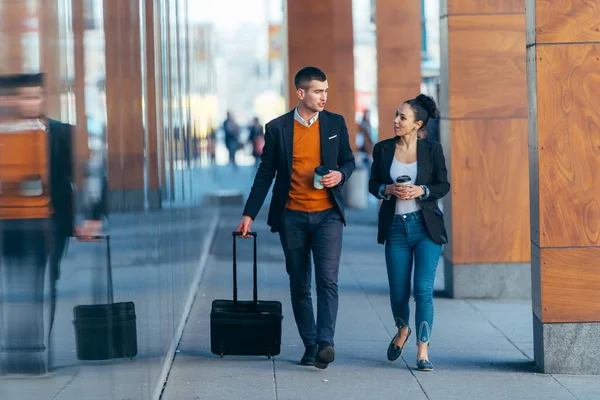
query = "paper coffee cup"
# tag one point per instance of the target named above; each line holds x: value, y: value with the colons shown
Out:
x: 320, y: 171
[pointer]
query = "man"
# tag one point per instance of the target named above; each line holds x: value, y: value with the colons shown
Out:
x: 307, y: 219
x: 30, y: 241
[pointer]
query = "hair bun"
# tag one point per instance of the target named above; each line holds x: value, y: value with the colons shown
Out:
x: 428, y: 104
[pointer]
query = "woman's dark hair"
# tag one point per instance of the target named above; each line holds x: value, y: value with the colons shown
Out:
x: 424, y: 109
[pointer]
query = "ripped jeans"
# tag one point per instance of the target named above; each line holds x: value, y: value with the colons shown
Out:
x: 408, y: 238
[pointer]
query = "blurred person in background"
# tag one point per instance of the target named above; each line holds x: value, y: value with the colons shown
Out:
x: 232, y: 137
x: 30, y: 242
x: 256, y: 139
x: 365, y: 139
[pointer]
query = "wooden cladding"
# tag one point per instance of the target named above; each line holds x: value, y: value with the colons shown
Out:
x: 124, y: 95
x: 574, y: 21
x: 490, y: 186
x: 568, y: 285
x: 320, y: 34
x: 563, y: 64
x: 482, y: 7
x: 483, y: 102
x: 12, y: 27
x: 568, y: 144
x: 486, y: 66
x: 398, y: 58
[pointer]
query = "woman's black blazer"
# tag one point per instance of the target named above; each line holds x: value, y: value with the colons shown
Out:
x: 431, y: 172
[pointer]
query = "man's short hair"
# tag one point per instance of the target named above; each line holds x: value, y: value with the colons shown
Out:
x: 30, y: 80
x: 308, y: 74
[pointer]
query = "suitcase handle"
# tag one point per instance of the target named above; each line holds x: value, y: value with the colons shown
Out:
x: 255, y: 269
x: 109, y: 279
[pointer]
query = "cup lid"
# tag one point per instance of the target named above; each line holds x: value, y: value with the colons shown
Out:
x: 321, y: 170
x: 403, y: 179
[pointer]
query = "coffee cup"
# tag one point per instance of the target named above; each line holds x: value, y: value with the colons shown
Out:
x: 404, y: 180
x: 320, y: 171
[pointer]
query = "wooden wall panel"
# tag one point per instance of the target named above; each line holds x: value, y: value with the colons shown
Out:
x: 564, y: 130
x: 50, y: 53
x: 569, y: 144
x: 124, y: 95
x: 570, y: 285
x: 320, y: 34
x: 482, y: 7
x: 490, y: 187
x: 575, y: 21
x: 398, y: 58
x: 487, y: 66
x: 153, y: 69
x: 483, y: 102
x: 12, y: 27
x: 82, y: 150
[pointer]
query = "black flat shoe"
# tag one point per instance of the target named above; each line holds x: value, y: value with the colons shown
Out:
x: 325, y: 356
x: 310, y: 354
x: 394, y: 351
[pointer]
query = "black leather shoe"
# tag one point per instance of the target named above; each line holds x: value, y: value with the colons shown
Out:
x: 310, y: 354
x: 325, y: 356
x: 394, y: 352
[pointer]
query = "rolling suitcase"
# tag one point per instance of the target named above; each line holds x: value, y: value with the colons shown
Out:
x: 106, y: 331
x: 245, y: 328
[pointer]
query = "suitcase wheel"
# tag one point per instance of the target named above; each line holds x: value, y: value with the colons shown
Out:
x: 269, y: 356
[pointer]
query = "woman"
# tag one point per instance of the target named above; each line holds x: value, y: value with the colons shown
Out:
x: 410, y: 223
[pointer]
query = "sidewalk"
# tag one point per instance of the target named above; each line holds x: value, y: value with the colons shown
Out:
x: 480, y: 349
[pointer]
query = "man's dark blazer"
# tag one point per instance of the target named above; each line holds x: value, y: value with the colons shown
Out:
x: 431, y: 172
x: 60, y: 140
x: 276, y: 160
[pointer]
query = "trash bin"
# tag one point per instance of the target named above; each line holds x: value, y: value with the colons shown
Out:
x: 356, y: 189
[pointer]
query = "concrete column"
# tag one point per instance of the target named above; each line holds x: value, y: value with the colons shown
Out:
x: 483, y: 102
x: 320, y: 35
x: 563, y: 76
x: 398, y: 58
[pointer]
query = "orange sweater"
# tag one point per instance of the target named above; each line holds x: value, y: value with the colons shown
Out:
x: 306, y: 157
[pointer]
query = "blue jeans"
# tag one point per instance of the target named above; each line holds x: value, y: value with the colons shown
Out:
x: 408, y: 239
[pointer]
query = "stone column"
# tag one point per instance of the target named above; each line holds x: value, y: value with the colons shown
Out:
x: 483, y: 103
x: 563, y: 76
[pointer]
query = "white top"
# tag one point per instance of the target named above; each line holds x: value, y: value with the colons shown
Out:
x: 311, y: 121
x: 399, y: 169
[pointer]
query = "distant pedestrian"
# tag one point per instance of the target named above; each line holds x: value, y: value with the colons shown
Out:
x: 257, y: 140
x: 410, y: 222
x: 232, y: 134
